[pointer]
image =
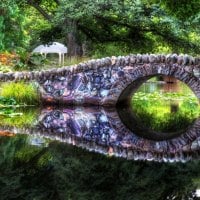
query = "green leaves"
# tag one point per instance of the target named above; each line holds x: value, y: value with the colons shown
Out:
x: 23, y: 93
x: 7, y: 107
x: 7, y: 101
x: 12, y: 34
x: 36, y: 59
x: 129, y: 22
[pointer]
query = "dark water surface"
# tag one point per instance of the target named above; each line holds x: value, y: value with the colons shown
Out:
x: 49, y: 153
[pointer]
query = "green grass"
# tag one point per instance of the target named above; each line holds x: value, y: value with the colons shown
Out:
x: 23, y: 93
x: 52, y: 62
x: 155, y: 110
x: 75, y: 60
x: 27, y: 118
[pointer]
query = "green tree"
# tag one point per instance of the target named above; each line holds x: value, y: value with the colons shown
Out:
x: 12, y: 32
x: 140, y: 24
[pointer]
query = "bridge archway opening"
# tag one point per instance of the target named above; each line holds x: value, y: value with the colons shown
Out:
x: 126, y: 95
x: 141, y: 122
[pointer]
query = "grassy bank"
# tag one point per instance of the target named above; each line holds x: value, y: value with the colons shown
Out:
x: 23, y: 93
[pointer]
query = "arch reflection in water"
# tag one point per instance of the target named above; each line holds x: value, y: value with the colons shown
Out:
x: 101, y: 130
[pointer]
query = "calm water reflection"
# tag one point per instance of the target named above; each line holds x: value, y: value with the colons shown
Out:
x: 39, y: 158
x: 60, y: 171
x: 100, y: 130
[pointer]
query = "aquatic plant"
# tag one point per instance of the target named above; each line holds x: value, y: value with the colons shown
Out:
x: 5, y: 101
x: 7, y: 107
x: 13, y: 104
x: 23, y: 93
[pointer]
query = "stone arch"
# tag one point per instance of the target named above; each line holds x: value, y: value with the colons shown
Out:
x: 135, y: 77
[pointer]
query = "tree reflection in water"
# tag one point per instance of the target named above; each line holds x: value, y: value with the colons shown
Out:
x: 42, y: 164
x: 62, y: 171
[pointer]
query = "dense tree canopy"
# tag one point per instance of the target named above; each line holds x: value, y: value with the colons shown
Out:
x: 12, y: 32
x: 135, y: 26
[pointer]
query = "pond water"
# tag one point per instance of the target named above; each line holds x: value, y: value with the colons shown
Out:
x: 149, y: 150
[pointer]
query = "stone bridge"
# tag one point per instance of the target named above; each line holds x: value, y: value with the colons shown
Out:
x: 107, y: 81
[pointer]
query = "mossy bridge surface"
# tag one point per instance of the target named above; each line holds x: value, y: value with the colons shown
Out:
x: 109, y: 80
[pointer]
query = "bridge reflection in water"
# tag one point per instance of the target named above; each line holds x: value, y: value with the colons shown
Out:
x: 100, y: 130
x: 119, y: 132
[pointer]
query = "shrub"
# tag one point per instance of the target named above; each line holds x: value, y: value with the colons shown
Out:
x: 23, y: 93
x: 110, y: 49
x: 29, y: 61
x: 8, y: 59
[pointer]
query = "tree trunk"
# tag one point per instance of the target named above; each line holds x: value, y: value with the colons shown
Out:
x: 73, y: 44
x: 74, y: 48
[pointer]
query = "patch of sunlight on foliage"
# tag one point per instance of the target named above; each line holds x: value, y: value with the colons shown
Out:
x: 110, y: 49
x: 23, y: 93
x: 5, y: 69
x: 26, y: 153
x: 161, y: 47
x: 196, y: 181
x: 194, y: 37
x: 27, y: 118
x: 35, y: 23
x: 44, y: 160
x: 165, y: 111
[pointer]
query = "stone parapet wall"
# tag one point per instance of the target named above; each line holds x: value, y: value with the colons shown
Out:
x: 102, y: 81
x: 189, y: 63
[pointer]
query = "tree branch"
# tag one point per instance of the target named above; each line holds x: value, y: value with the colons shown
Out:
x: 58, y: 2
x: 39, y: 9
